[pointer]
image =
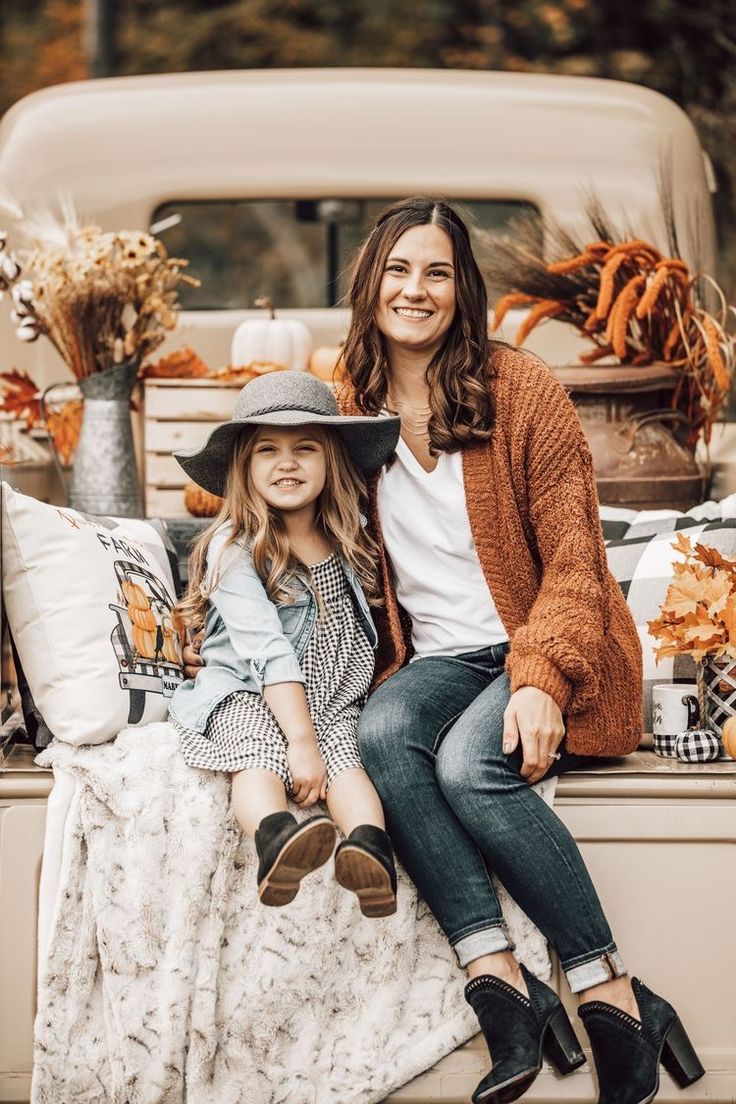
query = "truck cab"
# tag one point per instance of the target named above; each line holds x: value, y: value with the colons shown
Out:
x: 268, y: 180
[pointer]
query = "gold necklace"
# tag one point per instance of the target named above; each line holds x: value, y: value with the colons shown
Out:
x: 414, y: 421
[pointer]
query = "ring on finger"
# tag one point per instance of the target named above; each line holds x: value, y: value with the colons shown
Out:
x: 554, y: 755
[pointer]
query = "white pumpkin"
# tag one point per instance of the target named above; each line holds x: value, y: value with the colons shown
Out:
x: 279, y: 341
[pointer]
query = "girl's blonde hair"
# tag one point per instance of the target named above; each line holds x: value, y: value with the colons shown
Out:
x: 261, y: 528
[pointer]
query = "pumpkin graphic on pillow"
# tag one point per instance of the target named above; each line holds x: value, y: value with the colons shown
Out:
x: 144, y: 639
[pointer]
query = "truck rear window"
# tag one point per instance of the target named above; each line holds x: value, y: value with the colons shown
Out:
x: 295, y: 251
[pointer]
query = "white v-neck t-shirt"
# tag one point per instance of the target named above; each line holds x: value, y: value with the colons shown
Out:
x: 437, y: 573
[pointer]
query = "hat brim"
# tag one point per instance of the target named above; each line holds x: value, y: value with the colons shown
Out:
x: 369, y: 441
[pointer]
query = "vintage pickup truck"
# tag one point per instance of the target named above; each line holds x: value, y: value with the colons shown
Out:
x: 266, y: 181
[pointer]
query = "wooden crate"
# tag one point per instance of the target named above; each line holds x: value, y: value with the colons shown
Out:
x: 178, y: 414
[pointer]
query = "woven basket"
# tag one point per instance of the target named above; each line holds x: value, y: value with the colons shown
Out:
x: 717, y: 694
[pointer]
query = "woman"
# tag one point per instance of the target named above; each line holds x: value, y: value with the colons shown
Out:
x: 489, y: 520
x: 506, y: 654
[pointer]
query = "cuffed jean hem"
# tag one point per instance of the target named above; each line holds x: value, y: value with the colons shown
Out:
x: 483, y: 942
x: 602, y: 968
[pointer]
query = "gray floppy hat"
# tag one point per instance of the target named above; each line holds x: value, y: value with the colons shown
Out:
x: 289, y: 399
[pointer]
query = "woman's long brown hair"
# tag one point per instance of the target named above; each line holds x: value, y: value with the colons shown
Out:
x: 459, y: 374
x: 261, y: 529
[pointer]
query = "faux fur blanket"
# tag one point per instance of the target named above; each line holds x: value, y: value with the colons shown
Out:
x: 162, y: 979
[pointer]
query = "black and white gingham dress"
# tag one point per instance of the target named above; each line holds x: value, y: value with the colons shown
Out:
x: 242, y: 732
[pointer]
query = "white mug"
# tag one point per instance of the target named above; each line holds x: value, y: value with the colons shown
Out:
x: 674, y: 707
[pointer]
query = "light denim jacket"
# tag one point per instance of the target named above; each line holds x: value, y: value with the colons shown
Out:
x: 249, y: 642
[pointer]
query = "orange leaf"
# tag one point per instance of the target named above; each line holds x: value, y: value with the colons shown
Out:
x: 711, y: 557
x: 688, y: 592
x: 7, y: 455
x: 698, y: 629
x: 181, y: 364
x: 64, y: 426
x: 667, y: 650
x: 682, y: 544
x: 21, y: 397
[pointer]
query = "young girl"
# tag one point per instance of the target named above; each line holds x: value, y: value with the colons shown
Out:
x: 278, y: 581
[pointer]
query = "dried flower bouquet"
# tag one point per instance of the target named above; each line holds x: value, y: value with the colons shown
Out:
x: 698, y: 615
x: 633, y: 302
x: 100, y: 297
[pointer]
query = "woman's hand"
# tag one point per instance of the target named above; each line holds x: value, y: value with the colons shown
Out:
x: 192, y: 660
x: 308, y: 775
x: 534, y: 718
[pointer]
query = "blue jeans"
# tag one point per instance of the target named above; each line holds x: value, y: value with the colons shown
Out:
x: 457, y: 807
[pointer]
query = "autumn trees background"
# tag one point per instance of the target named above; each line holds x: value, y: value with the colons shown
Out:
x: 683, y: 48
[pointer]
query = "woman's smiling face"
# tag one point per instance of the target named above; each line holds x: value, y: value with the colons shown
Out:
x: 416, y: 299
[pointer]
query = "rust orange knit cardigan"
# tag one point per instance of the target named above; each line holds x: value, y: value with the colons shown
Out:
x: 533, y: 511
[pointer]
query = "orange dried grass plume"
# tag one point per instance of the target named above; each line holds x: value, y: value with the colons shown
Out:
x: 545, y: 308
x: 635, y: 304
x: 506, y: 303
x: 621, y: 311
x: 712, y: 335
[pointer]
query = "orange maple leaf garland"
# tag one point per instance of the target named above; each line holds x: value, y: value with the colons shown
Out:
x: 698, y: 615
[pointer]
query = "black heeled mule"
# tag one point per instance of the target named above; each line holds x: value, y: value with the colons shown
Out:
x: 628, y: 1053
x: 518, y: 1032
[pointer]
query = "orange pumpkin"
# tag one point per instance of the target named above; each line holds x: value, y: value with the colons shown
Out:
x: 729, y: 737
x: 135, y: 595
x: 144, y: 642
x: 200, y: 503
x: 326, y: 363
x: 142, y: 619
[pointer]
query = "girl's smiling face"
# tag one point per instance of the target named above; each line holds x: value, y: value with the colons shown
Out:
x: 416, y: 298
x: 287, y: 466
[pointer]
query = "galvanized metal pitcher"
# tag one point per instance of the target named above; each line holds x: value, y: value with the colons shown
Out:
x: 105, y: 474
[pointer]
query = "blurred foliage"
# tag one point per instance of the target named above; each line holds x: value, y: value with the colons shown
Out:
x: 685, y: 50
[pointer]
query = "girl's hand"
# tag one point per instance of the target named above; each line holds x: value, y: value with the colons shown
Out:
x: 308, y: 775
x: 192, y: 659
x: 534, y: 718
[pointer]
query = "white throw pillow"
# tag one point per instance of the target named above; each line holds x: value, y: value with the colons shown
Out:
x: 89, y: 603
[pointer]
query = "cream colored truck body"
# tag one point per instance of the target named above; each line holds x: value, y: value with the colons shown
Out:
x: 659, y: 839
x: 123, y: 147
